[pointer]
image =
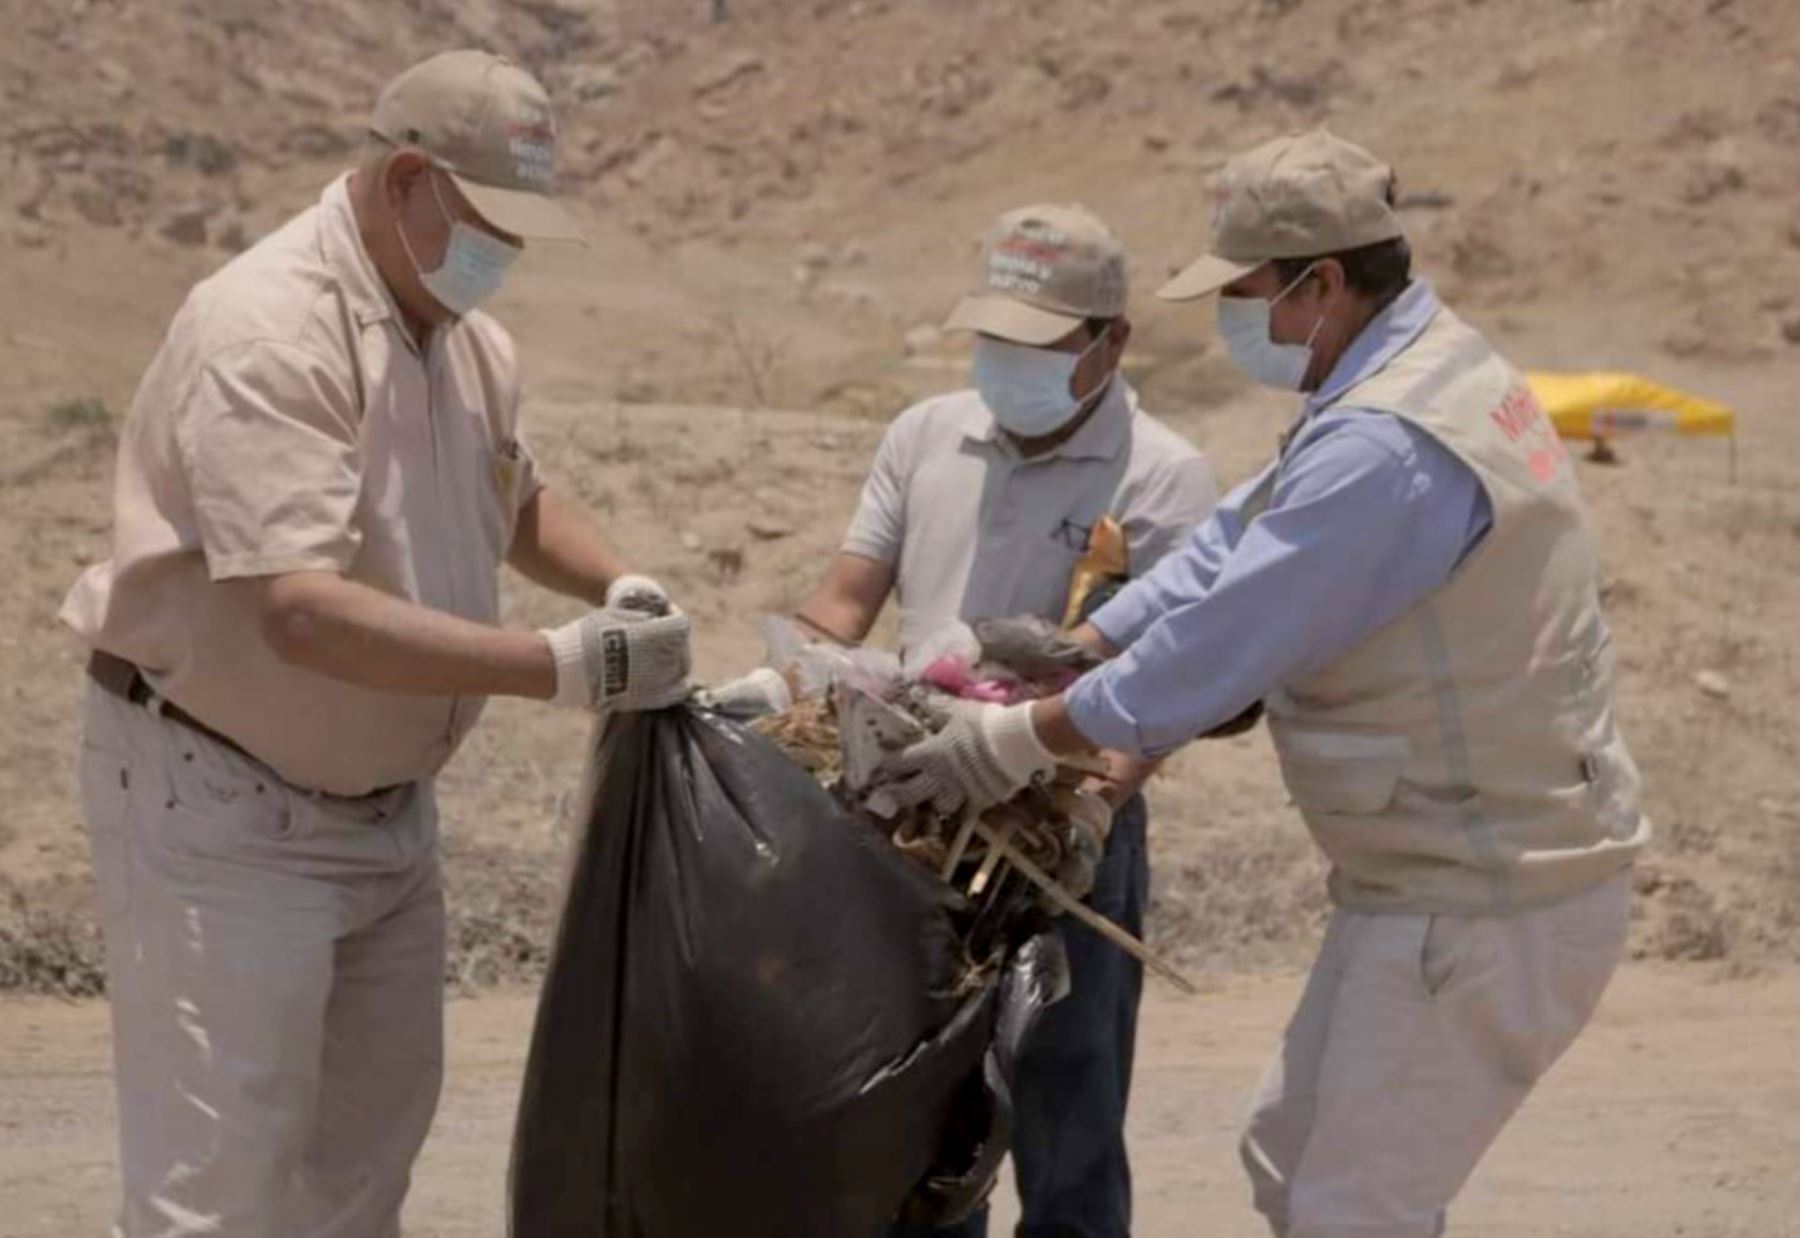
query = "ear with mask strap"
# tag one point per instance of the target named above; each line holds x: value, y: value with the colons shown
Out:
x: 474, y: 265
x: 1244, y: 324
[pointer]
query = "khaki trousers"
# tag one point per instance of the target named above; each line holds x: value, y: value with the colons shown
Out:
x: 1416, y: 1040
x: 275, y: 968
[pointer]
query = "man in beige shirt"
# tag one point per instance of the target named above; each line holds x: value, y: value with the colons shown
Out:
x: 296, y: 627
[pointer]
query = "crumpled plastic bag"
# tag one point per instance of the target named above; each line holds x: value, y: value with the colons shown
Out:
x: 761, y: 1019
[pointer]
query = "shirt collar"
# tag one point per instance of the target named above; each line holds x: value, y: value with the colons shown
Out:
x: 1388, y: 334
x: 1102, y: 437
x: 341, y: 243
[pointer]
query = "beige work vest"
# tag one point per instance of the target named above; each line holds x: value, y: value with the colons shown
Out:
x: 1464, y: 758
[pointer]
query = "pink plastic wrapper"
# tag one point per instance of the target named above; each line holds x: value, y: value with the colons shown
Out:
x: 951, y: 674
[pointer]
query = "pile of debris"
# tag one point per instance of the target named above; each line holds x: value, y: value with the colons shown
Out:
x: 854, y: 708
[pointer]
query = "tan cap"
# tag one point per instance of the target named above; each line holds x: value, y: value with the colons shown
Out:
x: 1301, y: 196
x: 487, y: 123
x: 1045, y: 270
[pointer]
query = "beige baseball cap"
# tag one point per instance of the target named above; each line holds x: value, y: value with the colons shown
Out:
x: 486, y: 122
x: 1300, y: 196
x: 1044, y: 271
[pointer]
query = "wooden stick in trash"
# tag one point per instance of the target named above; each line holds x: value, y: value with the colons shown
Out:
x: 991, y: 860
x: 963, y: 835
x: 1087, y: 915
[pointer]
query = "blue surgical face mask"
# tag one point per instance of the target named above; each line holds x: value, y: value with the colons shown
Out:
x: 1244, y: 322
x: 1028, y: 389
x: 474, y: 265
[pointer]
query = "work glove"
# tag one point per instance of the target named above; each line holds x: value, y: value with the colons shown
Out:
x: 640, y: 594
x: 621, y: 660
x: 985, y: 755
x: 762, y: 692
x: 1032, y: 647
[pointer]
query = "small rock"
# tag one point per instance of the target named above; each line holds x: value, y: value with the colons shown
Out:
x: 1713, y: 684
x: 1425, y: 200
x: 922, y: 339
x: 691, y: 541
x: 593, y: 81
x: 1719, y: 172
x: 203, y: 152
x: 233, y: 238
x: 1157, y: 142
x: 186, y: 226
x: 727, y: 562
x: 1684, y: 343
x: 741, y: 65
x: 1083, y: 90
x: 97, y: 206
x: 767, y: 529
x: 1790, y: 330
x: 815, y: 257
x: 29, y: 235
x: 315, y: 141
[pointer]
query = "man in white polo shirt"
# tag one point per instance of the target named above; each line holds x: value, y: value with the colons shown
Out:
x: 979, y: 505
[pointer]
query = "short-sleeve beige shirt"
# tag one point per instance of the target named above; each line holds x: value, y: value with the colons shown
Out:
x: 290, y: 423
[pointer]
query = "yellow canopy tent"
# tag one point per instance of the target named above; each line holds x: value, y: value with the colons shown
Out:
x: 1599, y: 406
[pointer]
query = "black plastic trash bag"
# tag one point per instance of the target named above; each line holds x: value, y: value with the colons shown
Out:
x: 760, y: 1019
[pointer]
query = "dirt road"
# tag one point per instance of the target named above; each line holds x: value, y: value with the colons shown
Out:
x: 1679, y: 1114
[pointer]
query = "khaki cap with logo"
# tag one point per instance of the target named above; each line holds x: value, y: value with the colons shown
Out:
x: 486, y: 122
x: 1045, y: 271
x: 1300, y: 196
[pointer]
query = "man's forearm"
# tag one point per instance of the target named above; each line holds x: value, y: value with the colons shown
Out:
x: 360, y: 635
x: 558, y: 546
x: 1056, y: 730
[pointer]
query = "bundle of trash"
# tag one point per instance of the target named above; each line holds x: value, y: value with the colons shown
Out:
x: 853, y: 708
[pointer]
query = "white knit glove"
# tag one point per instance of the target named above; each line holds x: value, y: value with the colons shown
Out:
x: 762, y: 692
x: 638, y: 593
x: 986, y: 755
x: 624, y: 660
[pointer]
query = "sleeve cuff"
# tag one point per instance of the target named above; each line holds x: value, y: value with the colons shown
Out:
x: 1122, y: 620
x: 247, y: 566
x: 1097, y: 716
x: 865, y: 548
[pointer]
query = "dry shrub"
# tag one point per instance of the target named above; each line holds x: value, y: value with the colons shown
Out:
x: 503, y: 904
x: 1251, y: 897
x: 49, y: 945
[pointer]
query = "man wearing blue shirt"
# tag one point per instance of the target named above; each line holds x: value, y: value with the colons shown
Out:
x: 1410, y: 589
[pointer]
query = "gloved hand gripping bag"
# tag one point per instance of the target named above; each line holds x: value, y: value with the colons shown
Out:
x: 758, y: 1019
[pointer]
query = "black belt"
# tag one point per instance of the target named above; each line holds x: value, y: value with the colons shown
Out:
x: 127, y: 682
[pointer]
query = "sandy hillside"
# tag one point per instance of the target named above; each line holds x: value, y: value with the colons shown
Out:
x: 777, y: 203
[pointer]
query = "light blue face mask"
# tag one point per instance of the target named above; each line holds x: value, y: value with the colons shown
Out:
x: 1027, y: 389
x: 474, y: 265
x: 1244, y: 323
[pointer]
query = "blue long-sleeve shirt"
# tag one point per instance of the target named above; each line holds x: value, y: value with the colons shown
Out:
x: 1368, y: 515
